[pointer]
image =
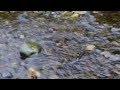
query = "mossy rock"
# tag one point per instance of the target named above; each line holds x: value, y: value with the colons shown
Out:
x: 9, y: 16
x: 113, y: 38
x: 29, y: 48
x: 112, y: 18
x: 70, y: 15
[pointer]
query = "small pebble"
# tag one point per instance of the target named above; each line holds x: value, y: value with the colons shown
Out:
x: 90, y: 47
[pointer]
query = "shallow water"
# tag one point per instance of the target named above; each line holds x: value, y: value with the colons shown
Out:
x: 63, y: 42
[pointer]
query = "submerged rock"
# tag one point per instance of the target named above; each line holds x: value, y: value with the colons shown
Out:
x: 29, y: 48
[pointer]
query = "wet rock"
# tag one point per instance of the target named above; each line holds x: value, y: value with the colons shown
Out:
x: 29, y: 48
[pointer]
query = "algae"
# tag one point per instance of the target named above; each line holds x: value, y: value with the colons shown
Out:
x: 112, y: 18
x: 8, y: 16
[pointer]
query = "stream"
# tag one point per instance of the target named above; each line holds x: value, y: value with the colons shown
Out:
x: 63, y: 41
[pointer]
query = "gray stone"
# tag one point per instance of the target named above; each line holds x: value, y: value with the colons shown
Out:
x: 29, y: 48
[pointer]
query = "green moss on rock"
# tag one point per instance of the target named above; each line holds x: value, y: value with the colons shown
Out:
x: 112, y: 18
x: 29, y: 48
x: 8, y: 15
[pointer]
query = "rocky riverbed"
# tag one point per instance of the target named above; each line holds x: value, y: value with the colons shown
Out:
x: 58, y: 45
